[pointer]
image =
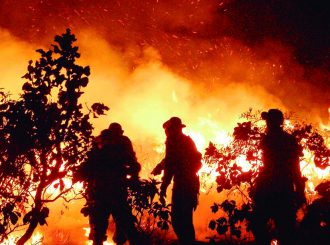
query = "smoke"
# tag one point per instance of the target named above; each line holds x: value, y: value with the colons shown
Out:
x: 14, y: 57
x: 281, y: 46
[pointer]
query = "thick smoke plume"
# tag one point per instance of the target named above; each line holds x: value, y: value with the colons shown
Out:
x: 211, y: 43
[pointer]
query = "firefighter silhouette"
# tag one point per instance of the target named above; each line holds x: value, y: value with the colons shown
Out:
x: 279, y: 188
x: 181, y: 163
x: 106, y: 172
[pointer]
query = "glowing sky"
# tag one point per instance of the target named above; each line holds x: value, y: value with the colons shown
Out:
x: 283, y: 46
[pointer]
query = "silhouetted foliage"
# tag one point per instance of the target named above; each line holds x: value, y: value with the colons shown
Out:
x: 233, y: 221
x: 150, y: 214
x: 234, y: 179
x: 44, y: 136
x: 315, y: 226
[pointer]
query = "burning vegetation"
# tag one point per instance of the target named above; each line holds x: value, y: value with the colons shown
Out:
x: 46, y: 134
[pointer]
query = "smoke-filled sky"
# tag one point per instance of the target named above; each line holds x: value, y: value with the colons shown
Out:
x: 206, y: 61
x: 282, y: 46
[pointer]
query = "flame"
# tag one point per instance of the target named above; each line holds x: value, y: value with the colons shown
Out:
x: 273, y: 242
x: 326, y: 126
x: 314, y: 174
x: 208, y: 173
x: 36, y: 238
x: 87, y: 231
x: 201, y: 135
x: 10, y: 241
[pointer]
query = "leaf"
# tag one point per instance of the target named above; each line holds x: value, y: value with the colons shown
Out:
x: 2, y: 229
x: 214, y: 208
x: 27, y: 87
x: 228, y: 206
x: 8, y: 208
x: 45, y: 211
x: 87, y: 70
x: 99, y: 108
x: 165, y: 226
x: 56, y: 49
x: 222, y: 220
x: 61, y: 185
x: 84, y: 81
x: 43, y: 215
x: 163, y: 215
x: 41, y: 51
x: 222, y: 229
x: 27, y: 76
x: 13, y: 218
x: 27, y: 217
x: 212, y: 224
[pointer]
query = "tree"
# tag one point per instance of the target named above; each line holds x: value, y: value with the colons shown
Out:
x: 233, y: 179
x: 44, y: 136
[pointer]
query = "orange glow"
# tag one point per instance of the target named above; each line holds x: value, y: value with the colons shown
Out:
x: 274, y: 242
x: 324, y: 126
x: 207, y: 173
x: 87, y: 230
x: 36, y: 238
x: 143, y: 90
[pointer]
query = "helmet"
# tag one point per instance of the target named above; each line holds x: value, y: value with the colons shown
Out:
x: 173, y: 122
x: 115, y: 128
x: 103, y: 137
x: 273, y: 116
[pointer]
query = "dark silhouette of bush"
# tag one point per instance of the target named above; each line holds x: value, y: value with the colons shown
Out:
x: 44, y: 136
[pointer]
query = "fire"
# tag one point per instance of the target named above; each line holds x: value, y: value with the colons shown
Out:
x: 154, y: 81
x: 89, y: 242
x: 36, y: 238
x: 324, y: 126
x: 208, y: 173
x: 274, y: 242
x: 314, y: 175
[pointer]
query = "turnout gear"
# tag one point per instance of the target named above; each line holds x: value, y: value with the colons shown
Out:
x: 110, y: 162
x: 279, y: 188
x: 181, y: 163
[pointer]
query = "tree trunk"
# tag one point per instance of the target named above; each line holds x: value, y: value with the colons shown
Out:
x: 35, y: 220
x: 28, y: 234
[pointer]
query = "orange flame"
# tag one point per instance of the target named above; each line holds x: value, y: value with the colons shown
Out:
x: 87, y: 231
